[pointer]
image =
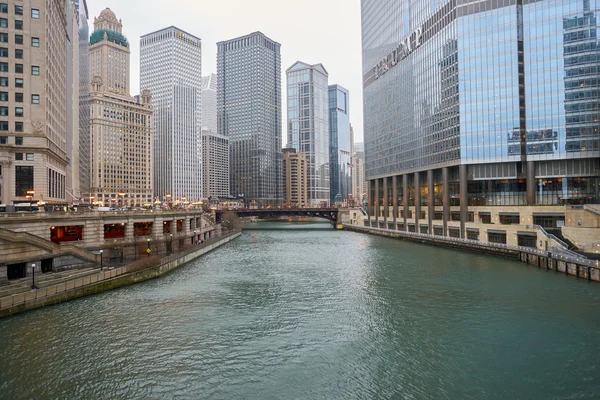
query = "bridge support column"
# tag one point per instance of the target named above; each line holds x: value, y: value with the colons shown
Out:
x: 417, y: 201
x: 385, y: 201
x: 405, y: 200
x: 395, y: 199
x: 430, y: 201
x: 445, y: 199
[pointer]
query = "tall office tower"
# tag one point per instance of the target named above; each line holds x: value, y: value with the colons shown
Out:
x: 73, y: 191
x: 33, y: 101
x: 295, y: 171
x: 340, y: 145
x: 215, y: 146
x: 308, y: 125
x: 249, y: 114
x: 359, y: 185
x: 171, y: 68
x: 84, y: 100
x: 473, y: 104
x: 121, y: 126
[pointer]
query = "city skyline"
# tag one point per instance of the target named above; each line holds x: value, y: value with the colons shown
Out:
x: 223, y: 21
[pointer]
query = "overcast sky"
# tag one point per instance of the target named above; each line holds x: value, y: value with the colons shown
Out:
x: 313, y: 31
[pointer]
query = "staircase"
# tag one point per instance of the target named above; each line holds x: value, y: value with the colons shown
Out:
x: 54, y: 248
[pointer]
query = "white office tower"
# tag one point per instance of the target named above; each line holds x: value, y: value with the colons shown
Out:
x: 215, y: 147
x: 171, y: 68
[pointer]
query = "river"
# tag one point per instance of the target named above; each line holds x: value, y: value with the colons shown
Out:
x: 301, y: 311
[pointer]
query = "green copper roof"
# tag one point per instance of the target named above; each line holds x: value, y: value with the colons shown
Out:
x: 115, y: 37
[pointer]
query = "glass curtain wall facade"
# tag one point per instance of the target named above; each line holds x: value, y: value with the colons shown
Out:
x: 308, y: 125
x: 481, y: 102
x: 249, y: 115
x: 171, y: 68
x: 340, y: 145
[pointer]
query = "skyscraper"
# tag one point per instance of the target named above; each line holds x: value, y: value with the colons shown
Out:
x: 171, y: 68
x: 340, y: 145
x: 295, y: 171
x: 84, y: 100
x: 215, y: 147
x: 33, y: 101
x: 121, y: 126
x: 308, y: 125
x: 73, y: 191
x: 249, y: 114
x: 359, y: 185
x: 478, y: 104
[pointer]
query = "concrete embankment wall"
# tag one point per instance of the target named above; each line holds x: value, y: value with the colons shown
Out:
x: 100, y: 282
x: 583, y: 268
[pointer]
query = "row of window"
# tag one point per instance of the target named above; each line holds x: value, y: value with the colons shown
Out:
x: 35, y: 41
x: 35, y: 99
x: 4, y: 127
x: 35, y: 69
x: 24, y: 156
x: 4, y: 82
x: 35, y: 13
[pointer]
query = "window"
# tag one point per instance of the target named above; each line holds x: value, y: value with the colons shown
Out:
x: 35, y: 99
x: 35, y: 13
x: 18, y: 10
x: 29, y: 157
x: 19, y: 156
x: 18, y: 111
x: 19, y: 97
x: 3, y: 52
x: 3, y: 81
x: 35, y: 70
x: 3, y: 96
x: 4, y: 111
x: 18, y: 53
x: 18, y: 127
x: 19, y: 68
x: 3, y: 7
x: 19, y: 140
x: 18, y: 24
x: 3, y: 139
x: 35, y: 42
x: 18, y: 39
x: 19, y: 82
x: 23, y: 179
x: 3, y: 67
x: 3, y: 125
x: 3, y: 23
x: 3, y: 37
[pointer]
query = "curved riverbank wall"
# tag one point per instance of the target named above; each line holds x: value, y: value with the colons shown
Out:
x: 104, y: 280
x: 568, y: 264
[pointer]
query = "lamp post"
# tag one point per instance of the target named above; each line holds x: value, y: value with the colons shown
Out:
x: 194, y: 238
x: 33, y: 276
x: 171, y: 243
x: 148, y: 249
x: 168, y: 200
x: 101, y: 264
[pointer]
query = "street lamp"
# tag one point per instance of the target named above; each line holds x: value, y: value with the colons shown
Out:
x: 101, y: 264
x: 30, y: 194
x: 33, y: 276
x: 148, y: 249
x: 194, y: 238
x: 168, y: 200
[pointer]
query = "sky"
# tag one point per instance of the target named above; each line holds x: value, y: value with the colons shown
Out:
x: 312, y: 31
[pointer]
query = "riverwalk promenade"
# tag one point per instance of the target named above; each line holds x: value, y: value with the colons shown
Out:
x: 558, y: 260
x: 54, y: 288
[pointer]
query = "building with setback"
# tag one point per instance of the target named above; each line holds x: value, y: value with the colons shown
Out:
x: 308, y: 125
x: 474, y: 107
x: 171, y: 68
x: 359, y: 185
x: 33, y: 101
x: 215, y: 146
x: 249, y: 115
x: 340, y: 145
x: 121, y: 126
x: 84, y: 100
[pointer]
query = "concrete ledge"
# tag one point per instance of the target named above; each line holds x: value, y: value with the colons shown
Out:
x: 103, y: 281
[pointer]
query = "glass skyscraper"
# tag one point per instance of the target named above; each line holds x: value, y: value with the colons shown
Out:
x: 308, y: 125
x: 340, y: 145
x: 480, y: 103
x: 249, y: 115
